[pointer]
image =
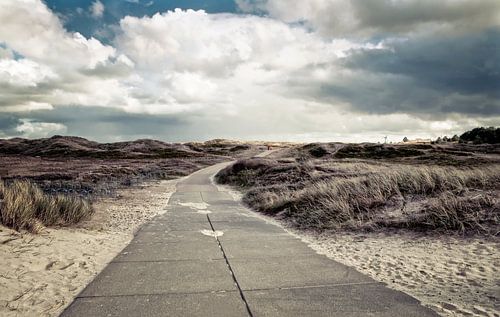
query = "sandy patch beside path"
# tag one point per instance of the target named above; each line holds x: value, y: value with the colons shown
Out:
x: 41, y: 274
x: 454, y: 276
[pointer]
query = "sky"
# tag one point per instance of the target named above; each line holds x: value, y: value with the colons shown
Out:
x: 194, y: 70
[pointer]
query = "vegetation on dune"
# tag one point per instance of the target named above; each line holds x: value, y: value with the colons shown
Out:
x: 65, y: 165
x: 45, y: 180
x: 23, y: 205
x: 378, y: 151
x: 489, y: 135
x: 332, y: 194
x: 458, y: 154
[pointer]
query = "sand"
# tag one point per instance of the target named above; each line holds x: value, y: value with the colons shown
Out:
x: 41, y: 274
x: 453, y: 275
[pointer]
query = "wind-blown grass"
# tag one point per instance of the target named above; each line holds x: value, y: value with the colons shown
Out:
x: 331, y: 195
x: 23, y: 205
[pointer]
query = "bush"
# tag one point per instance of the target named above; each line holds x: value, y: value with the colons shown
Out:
x: 463, y: 214
x: 25, y: 206
x: 243, y: 172
x: 489, y: 135
x: 318, y: 151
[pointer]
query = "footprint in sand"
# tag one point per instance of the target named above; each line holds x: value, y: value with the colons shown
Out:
x: 57, y: 265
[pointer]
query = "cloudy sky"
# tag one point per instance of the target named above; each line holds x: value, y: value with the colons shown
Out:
x: 179, y: 70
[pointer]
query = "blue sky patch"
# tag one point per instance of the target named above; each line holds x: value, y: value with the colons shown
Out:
x: 76, y: 14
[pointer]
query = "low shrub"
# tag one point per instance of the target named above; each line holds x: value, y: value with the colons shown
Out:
x: 462, y: 214
x: 24, y: 206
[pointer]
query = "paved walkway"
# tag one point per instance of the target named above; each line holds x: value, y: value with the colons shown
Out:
x: 189, y: 262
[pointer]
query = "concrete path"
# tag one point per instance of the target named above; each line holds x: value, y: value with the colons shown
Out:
x: 209, y: 256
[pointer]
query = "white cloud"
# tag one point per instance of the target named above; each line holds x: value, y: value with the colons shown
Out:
x: 6, y: 53
x: 217, y: 44
x: 213, y: 61
x: 40, y: 36
x: 97, y: 9
x: 59, y: 67
x: 33, y: 129
x: 24, y: 72
x: 28, y: 106
x: 190, y: 87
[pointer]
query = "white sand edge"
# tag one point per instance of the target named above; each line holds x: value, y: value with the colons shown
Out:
x: 41, y: 274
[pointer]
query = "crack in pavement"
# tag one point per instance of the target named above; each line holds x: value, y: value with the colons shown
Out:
x: 230, y: 269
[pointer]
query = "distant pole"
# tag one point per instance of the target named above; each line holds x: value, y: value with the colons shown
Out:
x: 385, y: 140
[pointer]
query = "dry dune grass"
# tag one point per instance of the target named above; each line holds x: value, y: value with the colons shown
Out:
x: 330, y: 195
x: 23, y: 205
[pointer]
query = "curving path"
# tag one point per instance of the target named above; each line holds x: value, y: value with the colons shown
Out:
x: 208, y: 256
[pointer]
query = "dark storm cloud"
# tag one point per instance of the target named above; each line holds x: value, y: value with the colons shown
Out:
x: 468, y: 64
x: 98, y: 123
x: 13, y: 95
x: 8, y: 124
x: 424, y: 75
x: 346, y: 18
x: 402, y: 16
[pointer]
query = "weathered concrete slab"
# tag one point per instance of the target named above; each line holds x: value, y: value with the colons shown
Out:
x: 182, y: 224
x: 300, y: 271
x: 144, y: 278
x: 170, y: 236
x: 168, y: 251
x: 251, y: 226
x: 246, y: 234
x: 185, y: 197
x: 266, y: 248
x: 222, y: 304
x: 195, y: 188
x: 217, y: 198
x: 233, y: 215
x: 184, y: 217
x: 342, y: 301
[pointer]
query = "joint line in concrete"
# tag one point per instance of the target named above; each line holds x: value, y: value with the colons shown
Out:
x: 231, y: 270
